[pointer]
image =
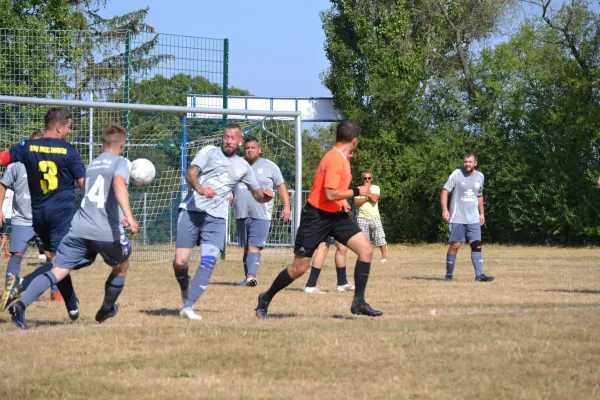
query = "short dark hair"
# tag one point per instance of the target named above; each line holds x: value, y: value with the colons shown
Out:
x: 36, y: 135
x: 346, y: 131
x: 251, y: 139
x: 56, y: 116
x: 114, y: 134
x: 470, y: 154
x: 232, y: 126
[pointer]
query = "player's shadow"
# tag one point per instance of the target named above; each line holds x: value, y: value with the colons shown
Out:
x: 344, y: 317
x: 281, y: 315
x: 576, y: 291
x: 424, y: 278
x: 161, y: 312
x: 225, y: 283
x: 294, y: 289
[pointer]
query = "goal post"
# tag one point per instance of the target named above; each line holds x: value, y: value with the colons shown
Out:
x: 170, y: 136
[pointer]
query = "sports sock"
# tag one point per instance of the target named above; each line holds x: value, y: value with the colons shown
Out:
x: 182, y: 277
x: 361, y: 277
x: 253, y: 264
x: 14, y: 266
x: 313, y: 277
x: 41, y: 270
x: 68, y: 293
x: 203, y: 273
x: 37, y: 287
x: 282, y: 281
x: 245, y: 259
x: 450, y: 262
x: 112, y: 289
x: 342, y: 279
x: 477, y: 259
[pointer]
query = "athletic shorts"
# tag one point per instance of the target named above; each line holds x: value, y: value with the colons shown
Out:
x: 317, y: 225
x: 76, y: 253
x: 373, y: 230
x: 195, y: 228
x: 5, y: 228
x: 252, y: 232
x: 52, y: 226
x: 465, y: 232
x: 20, y: 237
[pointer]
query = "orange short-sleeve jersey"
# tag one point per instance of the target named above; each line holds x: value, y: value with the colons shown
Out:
x: 333, y: 173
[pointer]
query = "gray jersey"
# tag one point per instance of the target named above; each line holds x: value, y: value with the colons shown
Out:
x: 100, y: 216
x: 465, y: 190
x: 268, y: 175
x: 221, y: 173
x: 16, y: 177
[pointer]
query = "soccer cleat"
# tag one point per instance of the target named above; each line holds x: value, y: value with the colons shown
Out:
x: 186, y: 292
x: 314, y: 290
x: 74, y: 313
x: 347, y: 287
x: 17, y: 312
x: 12, y: 291
x: 360, y: 307
x: 188, y: 312
x: 384, y: 260
x: 102, y: 315
x: 448, y: 277
x: 250, y: 281
x: 484, y: 278
x: 42, y: 257
x: 262, y: 309
x: 57, y: 297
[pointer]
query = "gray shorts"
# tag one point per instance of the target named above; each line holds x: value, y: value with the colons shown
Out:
x: 20, y: 237
x: 465, y: 232
x: 253, y: 232
x: 74, y: 252
x: 373, y: 229
x: 195, y: 228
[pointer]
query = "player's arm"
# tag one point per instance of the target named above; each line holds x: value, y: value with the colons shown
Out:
x: 359, y: 201
x: 285, y: 199
x: 481, y: 211
x: 2, y: 194
x: 122, y: 196
x: 343, y: 194
x: 81, y: 182
x: 14, y: 154
x: 191, y: 177
x: 444, y: 204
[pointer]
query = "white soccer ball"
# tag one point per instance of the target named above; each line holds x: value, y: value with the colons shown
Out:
x: 142, y: 172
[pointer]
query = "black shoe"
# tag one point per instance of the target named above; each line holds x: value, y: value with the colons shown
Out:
x: 17, y: 311
x: 484, y: 278
x: 448, y: 277
x: 262, y: 309
x: 11, y: 293
x: 74, y: 313
x: 361, y: 307
x: 103, y: 315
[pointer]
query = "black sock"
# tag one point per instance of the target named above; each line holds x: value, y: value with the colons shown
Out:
x: 314, y: 277
x: 68, y: 293
x: 182, y: 277
x: 282, y: 281
x: 341, y: 275
x: 361, y: 276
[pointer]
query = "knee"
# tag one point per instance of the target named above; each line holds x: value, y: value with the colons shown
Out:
x: 365, y: 252
x: 180, y: 262
x: 298, y: 269
x: 476, y: 246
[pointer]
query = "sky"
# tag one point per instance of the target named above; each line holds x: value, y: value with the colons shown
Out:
x: 275, y: 46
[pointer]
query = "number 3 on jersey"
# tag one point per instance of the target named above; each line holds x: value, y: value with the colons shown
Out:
x: 96, y: 193
x: 49, y: 180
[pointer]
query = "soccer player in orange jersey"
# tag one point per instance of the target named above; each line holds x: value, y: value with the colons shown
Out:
x: 326, y: 214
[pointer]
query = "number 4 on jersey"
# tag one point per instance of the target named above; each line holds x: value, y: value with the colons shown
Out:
x: 96, y: 193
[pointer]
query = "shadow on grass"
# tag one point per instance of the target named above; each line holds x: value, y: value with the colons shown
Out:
x: 576, y: 291
x: 344, y: 317
x: 424, y: 278
x: 161, y: 312
x: 282, y: 315
x: 225, y: 283
x: 294, y: 289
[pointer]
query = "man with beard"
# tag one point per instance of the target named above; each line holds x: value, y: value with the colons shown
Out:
x: 212, y: 175
x: 467, y: 216
x: 253, y: 219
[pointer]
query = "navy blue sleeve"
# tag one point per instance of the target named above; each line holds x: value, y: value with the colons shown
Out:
x: 16, y: 152
x: 76, y: 164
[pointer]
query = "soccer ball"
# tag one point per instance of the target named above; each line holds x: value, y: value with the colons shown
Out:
x: 142, y: 172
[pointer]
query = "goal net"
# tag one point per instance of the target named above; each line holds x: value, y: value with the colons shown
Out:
x: 170, y: 138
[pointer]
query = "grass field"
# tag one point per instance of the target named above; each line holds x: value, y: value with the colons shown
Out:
x: 531, y: 334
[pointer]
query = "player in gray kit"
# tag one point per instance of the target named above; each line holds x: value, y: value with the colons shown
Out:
x: 253, y: 219
x: 97, y: 228
x: 15, y: 176
x: 211, y: 176
x: 466, y: 215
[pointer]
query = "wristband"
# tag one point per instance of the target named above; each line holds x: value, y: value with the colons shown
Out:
x: 356, y: 191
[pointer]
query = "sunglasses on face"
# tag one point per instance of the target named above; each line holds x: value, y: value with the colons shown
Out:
x: 368, y: 178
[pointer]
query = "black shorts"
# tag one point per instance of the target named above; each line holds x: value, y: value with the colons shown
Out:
x: 5, y: 229
x: 52, y: 225
x: 317, y: 225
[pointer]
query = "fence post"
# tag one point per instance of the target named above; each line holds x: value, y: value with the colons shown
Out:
x: 126, y: 99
